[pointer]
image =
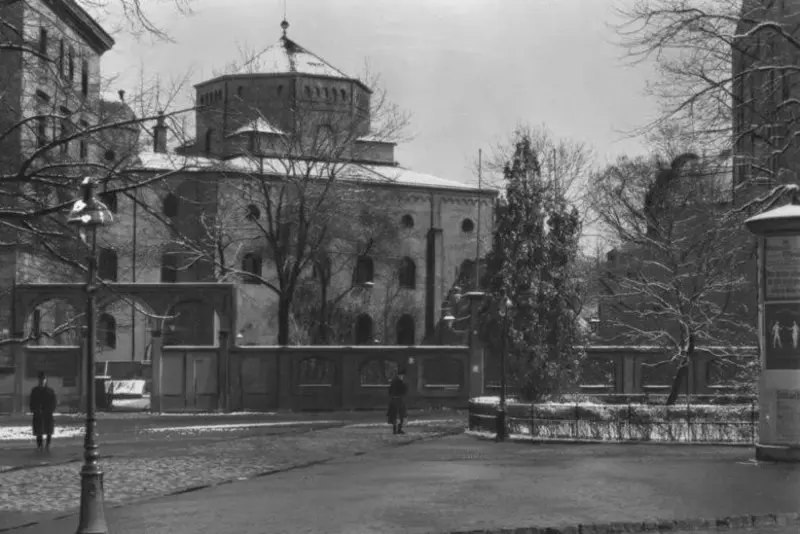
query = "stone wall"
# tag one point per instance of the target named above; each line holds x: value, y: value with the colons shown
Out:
x: 632, y: 370
x: 329, y: 378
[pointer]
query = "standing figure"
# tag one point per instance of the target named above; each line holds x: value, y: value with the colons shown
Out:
x: 397, y: 402
x: 42, y: 405
x: 776, y: 335
x: 795, y: 334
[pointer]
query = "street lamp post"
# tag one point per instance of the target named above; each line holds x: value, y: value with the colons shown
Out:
x: 89, y: 213
x: 501, y: 408
x: 506, y: 306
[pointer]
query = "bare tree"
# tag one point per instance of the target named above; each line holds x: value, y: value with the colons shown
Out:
x: 679, y: 276
x: 337, y: 290
x: 728, y: 75
x: 58, y: 124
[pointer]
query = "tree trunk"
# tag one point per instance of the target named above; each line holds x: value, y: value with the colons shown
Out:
x: 677, y: 380
x: 284, y: 311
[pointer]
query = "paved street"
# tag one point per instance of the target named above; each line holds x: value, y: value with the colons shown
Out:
x: 176, y: 460
x: 71, y: 425
x: 459, y: 483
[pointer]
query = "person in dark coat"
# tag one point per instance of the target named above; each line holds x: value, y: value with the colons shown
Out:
x: 42, y: 405
x: 397, y: 402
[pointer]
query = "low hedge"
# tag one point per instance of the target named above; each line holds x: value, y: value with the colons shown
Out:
x: 633, y: 422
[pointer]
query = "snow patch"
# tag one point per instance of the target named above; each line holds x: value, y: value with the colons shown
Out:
x: 24, y: 433
x: 237, y: 426
x: 428, y: 422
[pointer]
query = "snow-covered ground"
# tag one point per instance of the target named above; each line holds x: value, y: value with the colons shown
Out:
x: 409, y: 423
x: 23, y: 433
x: 235, y: 426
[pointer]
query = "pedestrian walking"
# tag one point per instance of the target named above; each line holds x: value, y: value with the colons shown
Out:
x: 397, y: 402
x: 42, y: 404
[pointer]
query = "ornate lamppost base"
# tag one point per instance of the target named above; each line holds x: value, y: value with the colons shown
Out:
x: 92, y: 515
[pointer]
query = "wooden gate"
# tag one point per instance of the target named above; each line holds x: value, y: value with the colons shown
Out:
x: 189, y: 379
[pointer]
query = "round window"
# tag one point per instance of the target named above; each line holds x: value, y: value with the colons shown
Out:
x: 467, y: 226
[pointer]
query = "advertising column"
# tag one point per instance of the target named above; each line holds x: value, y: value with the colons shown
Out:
x: 779, y: 329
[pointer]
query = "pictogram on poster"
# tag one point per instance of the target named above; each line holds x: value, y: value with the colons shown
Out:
x: 782, y: 348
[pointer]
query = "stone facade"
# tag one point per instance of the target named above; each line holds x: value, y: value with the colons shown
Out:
x: 628, y: 314
x: 243, y: 122
x: 49, y: 90
x: 765, y: 142
x: 434, y: 210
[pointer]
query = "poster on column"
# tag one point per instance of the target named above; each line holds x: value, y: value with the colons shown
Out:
x: 782, y: 268
x: 787, y: 415
x: 782, y: 323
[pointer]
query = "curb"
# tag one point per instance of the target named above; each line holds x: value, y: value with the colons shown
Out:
x: 659, y: 525
x: 57, y: 516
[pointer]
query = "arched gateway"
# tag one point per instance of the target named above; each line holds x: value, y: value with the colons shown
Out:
x: 169, y: 370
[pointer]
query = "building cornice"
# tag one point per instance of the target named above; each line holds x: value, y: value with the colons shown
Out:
x: 83, y: 23
x: 287, y: 75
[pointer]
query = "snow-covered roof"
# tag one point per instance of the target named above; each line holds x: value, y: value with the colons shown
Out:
x: 356, y: 172
x: 286, y: 56
x: 109, y: 96
x: 260, y: 125
x: 785, y: 218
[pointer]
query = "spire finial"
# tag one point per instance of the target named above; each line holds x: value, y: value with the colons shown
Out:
x: 284, y: 26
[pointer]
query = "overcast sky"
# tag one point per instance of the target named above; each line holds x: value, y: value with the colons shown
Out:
x: 467, y: 70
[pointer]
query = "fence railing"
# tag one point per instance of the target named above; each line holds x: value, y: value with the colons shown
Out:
x: 631, y: 423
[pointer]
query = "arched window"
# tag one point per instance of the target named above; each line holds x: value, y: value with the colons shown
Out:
x: 326, y: 92
x: 107, y: 330
x: 240, y: 91
x: 344, y: 94
x: 209, y: 140
x: 169, y: 268
x: 280, y: 90
x: 107, y: 265
x: 465, y: 274
x: 170, y: 207
x: 308, y: 92
x: 406, y: 327
x: 363, y: 329
x: 467, y: 226
x: 408, y: 273
x: 407, y: 221
x: 324, y: 133
x: 251, y: 264
x: 190, y: 323
x: 253, y: 212
x: 365, y: 270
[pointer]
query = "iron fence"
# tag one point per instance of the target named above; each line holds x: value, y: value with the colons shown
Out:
x: 628, y: 423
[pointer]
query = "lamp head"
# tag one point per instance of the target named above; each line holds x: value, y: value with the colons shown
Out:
x: 89, y: 211
x: 448, y: 319
x: 368, y: 285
